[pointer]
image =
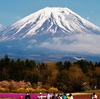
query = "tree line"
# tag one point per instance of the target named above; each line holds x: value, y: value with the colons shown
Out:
x: 65, y: 76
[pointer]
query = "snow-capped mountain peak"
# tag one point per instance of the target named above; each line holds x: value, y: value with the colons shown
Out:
x: 50, y: 20
x: 50, y: 34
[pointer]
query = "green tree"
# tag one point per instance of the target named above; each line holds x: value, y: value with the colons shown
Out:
x: 62, y: 79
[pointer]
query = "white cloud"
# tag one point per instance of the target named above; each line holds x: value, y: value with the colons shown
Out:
x: 0, y: 26
x: 18, y: 17
x: 88, y: 18
x: 32, y: 41
x: 87, y: 43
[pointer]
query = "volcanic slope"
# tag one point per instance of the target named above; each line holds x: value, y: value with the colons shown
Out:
x: 53, y: 21
x: 48, y: 34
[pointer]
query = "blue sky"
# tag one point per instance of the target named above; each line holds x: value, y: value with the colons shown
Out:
x: 13, y: 10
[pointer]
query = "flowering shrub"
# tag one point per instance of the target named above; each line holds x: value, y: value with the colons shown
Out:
x: 41, y: 90
x: 52, y: 89
x: 30, y: 90
x: 4, y: 90
x: 21, y: 90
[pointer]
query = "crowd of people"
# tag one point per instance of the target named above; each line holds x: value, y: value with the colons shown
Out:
x: 62, y: 96
x: 56, y: 96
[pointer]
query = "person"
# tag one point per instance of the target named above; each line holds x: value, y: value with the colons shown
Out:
x: 94, y: 96
x: 54, y: 96
x: 64, y: 96
x: 21, y: 97
x: 71, y: 96
x: 48, y: 96
x: 61, y: 96
x: 40, y: 96
x: 58, y: 96
x: 27, y: 96
x: 91, y: 97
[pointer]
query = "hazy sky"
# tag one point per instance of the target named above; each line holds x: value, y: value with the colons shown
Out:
x: 13, y: 10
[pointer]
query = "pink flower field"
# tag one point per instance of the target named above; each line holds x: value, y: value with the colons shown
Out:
x: 35, y: 96
x: 16, y: 95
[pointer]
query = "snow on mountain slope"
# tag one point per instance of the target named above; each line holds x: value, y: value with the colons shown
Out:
x: 51, y: 34
x: 50, y: 21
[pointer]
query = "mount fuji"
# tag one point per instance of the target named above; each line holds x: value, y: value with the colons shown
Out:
x: 51, y: 34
